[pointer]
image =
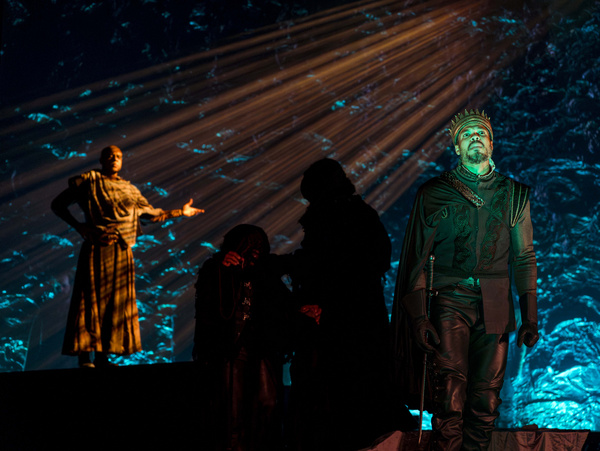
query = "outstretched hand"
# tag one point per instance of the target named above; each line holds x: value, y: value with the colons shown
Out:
x: 188, y: 210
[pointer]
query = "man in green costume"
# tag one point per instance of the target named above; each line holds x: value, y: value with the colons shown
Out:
x: 476, y: 222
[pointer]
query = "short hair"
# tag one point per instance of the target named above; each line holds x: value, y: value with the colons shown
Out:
x: 106, y: 150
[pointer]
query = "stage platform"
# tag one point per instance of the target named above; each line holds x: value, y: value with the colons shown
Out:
x: 155, y: 407
x: 502, y: 440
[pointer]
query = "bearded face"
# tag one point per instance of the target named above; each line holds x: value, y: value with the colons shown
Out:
x: 474, y: 145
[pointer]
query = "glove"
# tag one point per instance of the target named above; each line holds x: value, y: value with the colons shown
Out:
x: 414, y: 306
x: 421, y: 326
x: 528, y: 332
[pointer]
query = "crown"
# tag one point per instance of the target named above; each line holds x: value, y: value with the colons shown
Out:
x: 469, y: 118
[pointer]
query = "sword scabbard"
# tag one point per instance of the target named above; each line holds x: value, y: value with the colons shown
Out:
x: 430, y: 294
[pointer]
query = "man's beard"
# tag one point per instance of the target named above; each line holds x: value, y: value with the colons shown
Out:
x: 481, y: 155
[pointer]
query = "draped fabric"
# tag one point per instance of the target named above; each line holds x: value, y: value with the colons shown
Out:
x: 113, y: 205
x: 103, y: 315
x: 242, y: 332
x: 340, y: 382
x: 221, y: 330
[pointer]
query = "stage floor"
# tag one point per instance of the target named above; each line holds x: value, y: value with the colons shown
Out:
x: 156, y: 407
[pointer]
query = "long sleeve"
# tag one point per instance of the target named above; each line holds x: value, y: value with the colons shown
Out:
x: 523, y: 258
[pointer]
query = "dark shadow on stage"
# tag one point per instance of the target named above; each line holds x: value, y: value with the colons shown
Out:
x: 143, y: 407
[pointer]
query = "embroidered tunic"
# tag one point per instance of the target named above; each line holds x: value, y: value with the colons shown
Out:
x: 467, y: 241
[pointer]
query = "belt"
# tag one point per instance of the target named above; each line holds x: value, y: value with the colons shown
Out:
x: 472, y: 282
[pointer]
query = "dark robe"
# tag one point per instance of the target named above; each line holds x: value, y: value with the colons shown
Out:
x: 340, y: 370
x: 242, y: 333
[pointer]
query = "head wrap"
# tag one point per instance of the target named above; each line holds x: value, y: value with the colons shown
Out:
x: 325, y: 179
x: 470, y: 118
x: 244, y: 238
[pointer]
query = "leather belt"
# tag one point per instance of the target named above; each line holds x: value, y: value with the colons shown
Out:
x: 472, y: 282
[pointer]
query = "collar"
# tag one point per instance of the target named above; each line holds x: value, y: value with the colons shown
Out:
x: 466, y: 173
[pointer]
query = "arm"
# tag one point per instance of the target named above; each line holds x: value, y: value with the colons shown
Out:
x: 232, y: 258
x: 187, y: 210
x: 418, y: 244
x: 415, y: 306
x: 60, y: 206
x: 523, y: 256
x: 411, y: 287
x: 525, y: 270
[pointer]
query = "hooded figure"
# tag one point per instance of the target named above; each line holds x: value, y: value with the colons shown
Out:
x: 340, y: 369
x: 242, y: 316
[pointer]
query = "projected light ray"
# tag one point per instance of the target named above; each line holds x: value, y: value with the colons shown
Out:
x: 235, y: 127
x: 139, y: 77
x: 328, y: 126
x: 214, y: 53
x: 173, y: 123
x: 102, y: 101
x: 243, y: 112
x: 184, y: 132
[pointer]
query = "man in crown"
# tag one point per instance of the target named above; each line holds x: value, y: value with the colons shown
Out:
x: 469, y: 235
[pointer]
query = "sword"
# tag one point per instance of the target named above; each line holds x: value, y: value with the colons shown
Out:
x: 430, y: 294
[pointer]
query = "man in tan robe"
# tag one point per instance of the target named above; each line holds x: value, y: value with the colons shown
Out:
x: 103, y: 316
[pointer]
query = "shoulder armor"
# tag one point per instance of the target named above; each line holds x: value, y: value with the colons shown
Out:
x: 519, y: 195
x: 463, y: 189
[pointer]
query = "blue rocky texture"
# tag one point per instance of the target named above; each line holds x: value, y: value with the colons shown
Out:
x: 549, y: 107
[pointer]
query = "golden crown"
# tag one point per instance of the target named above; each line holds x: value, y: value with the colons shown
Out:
x: 470, y: 117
